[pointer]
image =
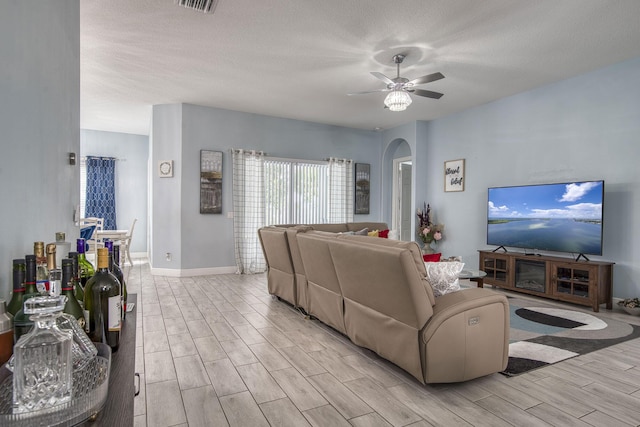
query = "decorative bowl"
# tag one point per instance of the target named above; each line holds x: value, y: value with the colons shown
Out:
x: 634, y: 311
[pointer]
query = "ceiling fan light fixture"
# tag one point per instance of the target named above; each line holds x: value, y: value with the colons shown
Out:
x: 205, y: 6
x: 397, y: 100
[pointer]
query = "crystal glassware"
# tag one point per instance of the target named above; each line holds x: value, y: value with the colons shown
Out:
x: 42, y: 375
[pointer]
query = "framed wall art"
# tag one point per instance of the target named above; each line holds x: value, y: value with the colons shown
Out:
x: 165, y: 169
x: 210, y: 182
x: 454, y: 175
x: 362, y: 191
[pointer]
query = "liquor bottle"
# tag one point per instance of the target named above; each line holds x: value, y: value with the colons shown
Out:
x: 62, y: 247
x: 77, y: 286
x: 55, y: 273
x: 102, y: 304
x: 19, y: 272
x: 117, y: 271
x: 21, y: 321
x: 71, y: 306
x: 86, y: 268
x: 42, y: 274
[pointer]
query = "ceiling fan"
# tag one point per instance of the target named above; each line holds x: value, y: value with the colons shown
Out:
x: 399, y: 88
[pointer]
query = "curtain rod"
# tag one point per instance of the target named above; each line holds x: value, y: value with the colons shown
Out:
x: 104, y: 158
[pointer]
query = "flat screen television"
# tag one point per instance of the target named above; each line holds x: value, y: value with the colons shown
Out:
x: 563, y: 217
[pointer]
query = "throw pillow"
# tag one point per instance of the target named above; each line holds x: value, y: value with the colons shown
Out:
x: 384, y: 234
x: 443, y: 276
x: 363, y: 232
x: 373, y: 233
x: 432, y: 257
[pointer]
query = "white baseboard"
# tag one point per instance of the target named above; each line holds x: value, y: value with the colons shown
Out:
x: 173, y: 272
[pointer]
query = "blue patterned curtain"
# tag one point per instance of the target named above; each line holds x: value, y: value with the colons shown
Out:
x: 101, y: 190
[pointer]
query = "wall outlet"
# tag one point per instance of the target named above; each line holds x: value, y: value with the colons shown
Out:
x: 229, y: 214
x: 168, y: 256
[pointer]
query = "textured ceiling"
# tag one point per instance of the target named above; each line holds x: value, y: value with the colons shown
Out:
x: 299, y: 58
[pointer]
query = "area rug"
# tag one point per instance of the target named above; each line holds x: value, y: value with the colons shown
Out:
x: 541, y: 334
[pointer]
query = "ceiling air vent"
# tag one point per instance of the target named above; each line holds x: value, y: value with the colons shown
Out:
x: 206, y: 6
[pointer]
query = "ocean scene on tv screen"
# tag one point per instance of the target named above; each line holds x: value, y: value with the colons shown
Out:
x: 553, y: 217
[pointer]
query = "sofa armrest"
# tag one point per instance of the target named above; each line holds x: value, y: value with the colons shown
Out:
x: 467, y: 336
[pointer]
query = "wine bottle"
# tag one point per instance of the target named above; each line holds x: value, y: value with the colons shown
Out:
x: 55, y: 273
x: 71, y: 306
x: 120, y: 275
x: 86, y: 268
x: 21, y: 321
x: 115, y: 269
x: 102, y: 304
x: 77, y: 286
x: 17, y: 298
x: 42, y: 274
x: 30, y: 275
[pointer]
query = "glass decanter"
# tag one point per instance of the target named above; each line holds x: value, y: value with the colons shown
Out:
x: 42, y: 376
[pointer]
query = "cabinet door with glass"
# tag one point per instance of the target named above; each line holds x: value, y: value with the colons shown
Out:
x: 497, y: 268
x: 573, y: 282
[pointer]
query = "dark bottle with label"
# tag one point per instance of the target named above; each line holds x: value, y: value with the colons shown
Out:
x: 77, y: 286
x: 117, y: 271
x: 71, y: 306
x: 114, y: 267
x: 86, y: 268
x: 102, y: 304
x: 17, y: 298
x: 21, y: 322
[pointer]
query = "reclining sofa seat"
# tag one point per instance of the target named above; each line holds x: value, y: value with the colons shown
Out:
x: 285, y: 272
x: 389, y: 307
x: 280, y: 274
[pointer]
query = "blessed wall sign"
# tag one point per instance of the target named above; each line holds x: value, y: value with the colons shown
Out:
x: 454, y: 175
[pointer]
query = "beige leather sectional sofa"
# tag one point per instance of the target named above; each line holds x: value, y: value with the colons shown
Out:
x: 375, y: 292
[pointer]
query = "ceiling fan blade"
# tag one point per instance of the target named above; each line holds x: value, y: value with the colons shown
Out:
x: 426, y: 79
x: 427, y: 93
x: 369, y: 91
x: 382, y: 77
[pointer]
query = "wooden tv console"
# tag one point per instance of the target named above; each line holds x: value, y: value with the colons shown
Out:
x: 580, y: 282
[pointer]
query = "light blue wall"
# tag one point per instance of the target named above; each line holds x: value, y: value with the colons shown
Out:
x: 39, y: 125
x: 132, y: 152
x: 206, y: 241
x: 166, y: 193
x: 583, y: 128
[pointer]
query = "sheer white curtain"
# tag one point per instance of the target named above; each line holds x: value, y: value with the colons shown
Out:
x: 340, y: 190
x: 248, y: 210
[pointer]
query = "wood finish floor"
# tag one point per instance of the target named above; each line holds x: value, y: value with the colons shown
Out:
x: 219, y: 350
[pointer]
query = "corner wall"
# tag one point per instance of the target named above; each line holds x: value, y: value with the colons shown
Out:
x: 202, y: 244
x: 40, y: 125
x: 583, y: 128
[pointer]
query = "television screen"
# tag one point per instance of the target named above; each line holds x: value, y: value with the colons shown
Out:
x: 564, y: 217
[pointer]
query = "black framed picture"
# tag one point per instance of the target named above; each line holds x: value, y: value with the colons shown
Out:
x: 210, y: 182
x: 362, y: 190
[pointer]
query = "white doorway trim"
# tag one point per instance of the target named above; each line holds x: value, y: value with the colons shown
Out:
x: 396, y: 196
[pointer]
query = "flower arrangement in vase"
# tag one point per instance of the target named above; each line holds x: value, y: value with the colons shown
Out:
x: 428, y: 232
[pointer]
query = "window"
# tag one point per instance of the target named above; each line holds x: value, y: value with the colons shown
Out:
x: 295, y: 192
x: 306, y: 192
x: 269, y: 191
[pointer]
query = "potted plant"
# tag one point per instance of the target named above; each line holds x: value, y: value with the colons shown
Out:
x: 428, y: 232
x: 630, y: 305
